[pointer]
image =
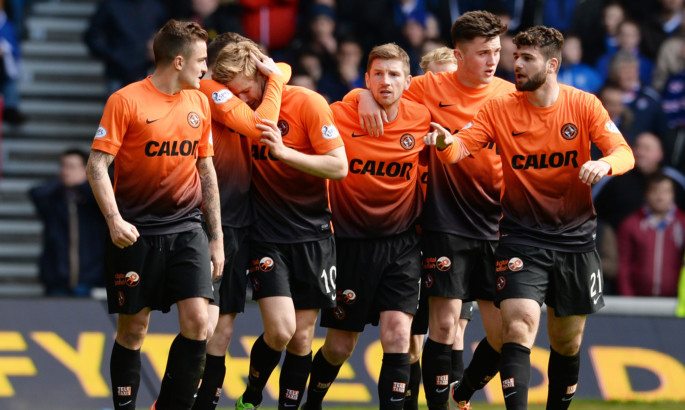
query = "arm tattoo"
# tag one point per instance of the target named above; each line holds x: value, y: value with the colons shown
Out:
x: 98, y: 163
x: 210, y: 197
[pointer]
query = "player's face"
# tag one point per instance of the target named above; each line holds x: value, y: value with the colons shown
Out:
x: 194, y: 66
x: 386, y: 79
x: 478, y: 61
x: 530, y: 68
x: 250, y: 90
x: 441, y: 67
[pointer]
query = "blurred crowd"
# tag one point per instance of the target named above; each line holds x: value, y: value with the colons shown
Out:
x: 631, y: 54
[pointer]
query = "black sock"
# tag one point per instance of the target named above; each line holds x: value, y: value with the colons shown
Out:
x: 515, y: 374
x: 411, y: 401
x: 563, y: 379
x: 210, y: 390
x: 457, y: 369
x: 435, y: 367
x: 184, y: 368
x: 483, y: 367
x: 293, y: 381
x: 124, y: 371
x: 263, y: 360
x: 392, y: 382
x: 323, y: 374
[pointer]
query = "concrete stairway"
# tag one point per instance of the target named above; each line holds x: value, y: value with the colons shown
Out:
x: 63, y: 93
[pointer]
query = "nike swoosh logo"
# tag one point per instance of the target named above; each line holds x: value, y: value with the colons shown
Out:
x: 396, y: 399
x: 441, y: 105
x: 441, y: 390
x: 566, y: 398
x: 358, y: 135
x: 516, y: 134
x: 289, y: 405
x: 510, y: 394
x: 150, y: 122
x: 124, y: 404
x: 333, y: 297
x: 595, y: 300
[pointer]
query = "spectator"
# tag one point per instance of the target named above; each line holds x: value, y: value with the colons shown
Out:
x: 644, y: 102
x: 120, y: 34
x: 611, y: 96
x: 505, y: 68
x: 73, y: 230
x: 603, y: 40
x: 665, y: 22
x: 216, y: 16
x: 559, y: 14
x: 347, y: 74
x: 651, y: 243
x: 669, y: 61
x: 673, y: 100
x: 10, y: 69
x: 628, y: 40
x: 321, y: 37
x: 575, y: 73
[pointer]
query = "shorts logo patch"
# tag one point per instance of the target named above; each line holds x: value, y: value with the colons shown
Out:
x: 571, y: 389
x: 284, y: 127
x: 508, y: 383
x: 442, y: 380
x: 193, y: 120
x: 124, y: 391
x: 569, y: 131
x: 407, y: 141
x: 501, y: 266
x: 266, y: 264
x: 501, y: 282
x: 292, y: 394
x: 339, y: 313
x: 443, y: 264
x: 428, y: 281
x: 515, y: 264
x: 255, y: 284
x: 221, y: 96
x: 101, y: 132
x: 349, y: 296
x: 132, y: 279
x: 398, y: 387
x: 121, y: 298
x: 329, y: 132
x: 218, y: 393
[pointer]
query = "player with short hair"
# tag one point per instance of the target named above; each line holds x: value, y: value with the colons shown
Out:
x: 462, y: 209
x: 158, y: 129
x: 292, y: 252
x: 233, y: 124
x: 546, y: 251
x: 439, y: 60
x: 374, y: 213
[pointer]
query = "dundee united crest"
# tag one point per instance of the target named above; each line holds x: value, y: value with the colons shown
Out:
x: 515, y: 264
x: 569, y: 131
x: 266, y: 264
x: 193, y: 120
x: 407, y: 141
x: 132, y: 279
x: 283, y: 127
x: 443, y: 264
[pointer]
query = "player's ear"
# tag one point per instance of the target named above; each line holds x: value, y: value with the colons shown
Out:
x: 406, y: 85
x: 178, y: 62
x: 552, y: 65
x: 366, y: 79
x: 458, y: 55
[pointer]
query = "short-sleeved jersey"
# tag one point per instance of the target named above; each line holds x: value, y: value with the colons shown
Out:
x: 381, y: 195
x: 156, y: 139
x: 462, y: 198
x: 544, y: 203
x: 233, y: 124
x: 291, y: 206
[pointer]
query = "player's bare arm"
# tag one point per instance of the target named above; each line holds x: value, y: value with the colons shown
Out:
x: 123, y: 234
x: 331, y: 165
x: 212, y: 212
x: 371, y: 114
x: 592, y: 171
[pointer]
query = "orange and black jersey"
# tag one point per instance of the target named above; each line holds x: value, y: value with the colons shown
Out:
x: 156, y: 139
x: 232, y: 122
x: 381, y: 195
x: 544, y: 202
x: 291, y: 206
x: 462, y: 198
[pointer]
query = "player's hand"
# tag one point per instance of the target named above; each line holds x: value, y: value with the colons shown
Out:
x: 266, y: 64
x: 371, y: 116
x: 216, y: 253
x: 592, y: 171
x: 271, y: 137
x: 123, y: 234
x: 440, y: 137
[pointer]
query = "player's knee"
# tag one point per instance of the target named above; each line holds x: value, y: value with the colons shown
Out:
x: 566, y: 347
x: 338, y: 351
x: 194, y: 325
x: 279, y: 337
x: 443, y: 330
x: 395, y: 340
x: 518, y: 330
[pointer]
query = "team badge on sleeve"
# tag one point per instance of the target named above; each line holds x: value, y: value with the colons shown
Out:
x: 330, y: 132
x: 611, y: 127
x: 101, y: 132
x: 221, y: 96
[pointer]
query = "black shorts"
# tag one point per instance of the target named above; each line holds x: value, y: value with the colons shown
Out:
x: 230, y: 289
x: 375, y: 275
x: 157, y: 271
x: 419, y: 326
x: 303, y: 271
x: 569, y: 282
x: 457, y: 267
